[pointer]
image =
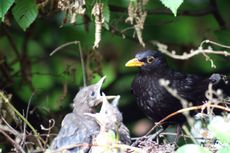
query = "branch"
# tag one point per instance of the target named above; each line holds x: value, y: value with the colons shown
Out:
x: 197, y: 13
x: 200, y: 50
x: 184, y: 102
x: 14, y: 143
x: 211, y: 103
x: 216, y: 14
x: 9, y: 129
x: 201, y: 107
x: 6, y: 100
x: 12, y: 42
x: 26, y: 116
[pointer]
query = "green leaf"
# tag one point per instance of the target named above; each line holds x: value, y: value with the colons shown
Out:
x: 173, y: 5
x: 220, y: 127
x: 223, y: 36
x: 25, y: 12
x: 225, y: 149
x: 4, y: 7
x: 192, y: 148
x: 106, y: 14
x: 109, y: 71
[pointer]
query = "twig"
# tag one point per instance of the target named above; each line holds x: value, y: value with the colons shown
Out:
x: 200, y: 50
x: 185, y: 56
x: 81, y: 56
x: 15, y: 144
x: 209, y: 95
x: 24, y: 128
x: 187, y: 109
x: 6, y: 100
x: 66, y: 147
x: 12, y: 43
x: 214, y: 43
x: 173, y: 92
x: 122, y: 146
x: 216, y: 14
x: 186, y: 130
x: 10, y: 130
x: 51, y: 125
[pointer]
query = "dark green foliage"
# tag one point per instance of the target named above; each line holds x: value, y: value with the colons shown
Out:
x: 31, y: 29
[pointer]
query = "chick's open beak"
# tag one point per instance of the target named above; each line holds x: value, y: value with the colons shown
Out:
x: 134, y: 63
x: 100, y: 82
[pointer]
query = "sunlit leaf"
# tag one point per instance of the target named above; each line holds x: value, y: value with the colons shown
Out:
x: 173, y: 5
x: 106, y: 14
x: 25, y: 12
x: 220, y: 127
x: 225, y: 149
x: 4, y: 7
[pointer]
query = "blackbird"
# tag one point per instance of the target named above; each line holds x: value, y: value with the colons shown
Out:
x: 110, y: 120
x: 154, y: 99
x: 78, y: 129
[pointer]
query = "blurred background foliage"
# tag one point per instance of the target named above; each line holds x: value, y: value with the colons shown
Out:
x: 27, y: 69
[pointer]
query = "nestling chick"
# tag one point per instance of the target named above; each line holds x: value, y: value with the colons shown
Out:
x: 112, y: 129
x: 78, y: 129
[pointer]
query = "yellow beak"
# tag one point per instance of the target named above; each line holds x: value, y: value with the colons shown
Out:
x: 134, y: 63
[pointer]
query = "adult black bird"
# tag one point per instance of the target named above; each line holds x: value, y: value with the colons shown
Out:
x: 154, y: 99
x: 78, y: 129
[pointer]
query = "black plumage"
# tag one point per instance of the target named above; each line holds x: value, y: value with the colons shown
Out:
x: 78, y: 129
x: 154, y: 99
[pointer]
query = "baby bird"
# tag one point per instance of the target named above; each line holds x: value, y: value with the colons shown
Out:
x: 77, y: 129
x: 112, y: 129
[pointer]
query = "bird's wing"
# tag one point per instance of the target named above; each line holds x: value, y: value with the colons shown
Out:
x: 124, y: 134
x: 74, y: 131
x: 190, y: 87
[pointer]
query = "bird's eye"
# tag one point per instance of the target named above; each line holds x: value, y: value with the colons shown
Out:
x: 150, y: 59
x: 92, y: 94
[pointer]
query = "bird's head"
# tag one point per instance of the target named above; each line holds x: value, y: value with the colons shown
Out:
x: 147, y: 60
x: 88, y: 97
x: 109, y: 116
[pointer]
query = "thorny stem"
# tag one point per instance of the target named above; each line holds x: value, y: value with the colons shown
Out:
x: 21, y: 116
x: 81, y: 56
